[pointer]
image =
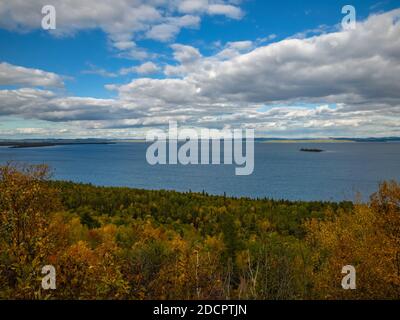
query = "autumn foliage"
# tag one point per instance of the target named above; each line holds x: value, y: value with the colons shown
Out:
x: 119, y: 243
x: 367, y: 238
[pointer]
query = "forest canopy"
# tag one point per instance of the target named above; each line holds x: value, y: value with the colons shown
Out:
x: 121, y: 243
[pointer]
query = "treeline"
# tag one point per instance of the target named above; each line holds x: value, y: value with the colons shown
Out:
x: 121, y: 243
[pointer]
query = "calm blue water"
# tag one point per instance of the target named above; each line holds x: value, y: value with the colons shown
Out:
x: 281, y: 170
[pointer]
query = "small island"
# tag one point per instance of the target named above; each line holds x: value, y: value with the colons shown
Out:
x: 311, y: 150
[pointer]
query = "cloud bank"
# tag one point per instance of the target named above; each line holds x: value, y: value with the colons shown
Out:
x: 16, y: 75
x: 343, y: 83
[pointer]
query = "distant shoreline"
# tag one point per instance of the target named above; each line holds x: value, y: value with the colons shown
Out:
x: 21, y: 145
x: 309, y: 141
x: 40, y: 143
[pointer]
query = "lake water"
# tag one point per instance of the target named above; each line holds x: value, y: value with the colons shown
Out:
x: 281, y: 170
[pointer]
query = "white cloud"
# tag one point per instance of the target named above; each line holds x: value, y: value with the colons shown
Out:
x: 193, y: 6
x: 168, y: 30
x: 145, y: 68
x: 17, y: 75
x: 226, y: 10
x: 210, y: 7
x: 336, y: 68
x: 233, y: 49
x: 240, y: 45
x: 124, y: 21
x: 176, y: 91
x: 98, y: 71
x: 185, y: 54
x: 129, y: 49
x: 334, y: 84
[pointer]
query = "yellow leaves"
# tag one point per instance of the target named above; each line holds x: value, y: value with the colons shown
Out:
x: 362, y: 238
x: 214, y: 244
x: 25, y: 233
x: 90, y: 273
x: 222, y: 249
x: 264, y: 226
x: 76, y: 230
x: 242, y: 259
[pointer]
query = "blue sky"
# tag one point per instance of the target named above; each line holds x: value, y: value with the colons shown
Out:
x: 86, y: 54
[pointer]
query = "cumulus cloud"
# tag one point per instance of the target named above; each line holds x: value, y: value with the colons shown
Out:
x: 233, y: 49
x: 17, y: 75
x: 167, y: 30
x: 145, y: 68
x: 192, y: 6
x: 357, y: 66
x: 40, y: 104
x: 226, y: 10
x: 210, y: 7
x: 185, y: 54
x: 334, y: 84
x: 122, y: 20
x: 336, y: 68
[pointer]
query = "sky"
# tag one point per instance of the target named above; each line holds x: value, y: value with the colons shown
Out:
x: 116, y: 69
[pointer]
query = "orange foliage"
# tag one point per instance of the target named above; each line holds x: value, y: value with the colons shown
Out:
x: 368, y: 239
